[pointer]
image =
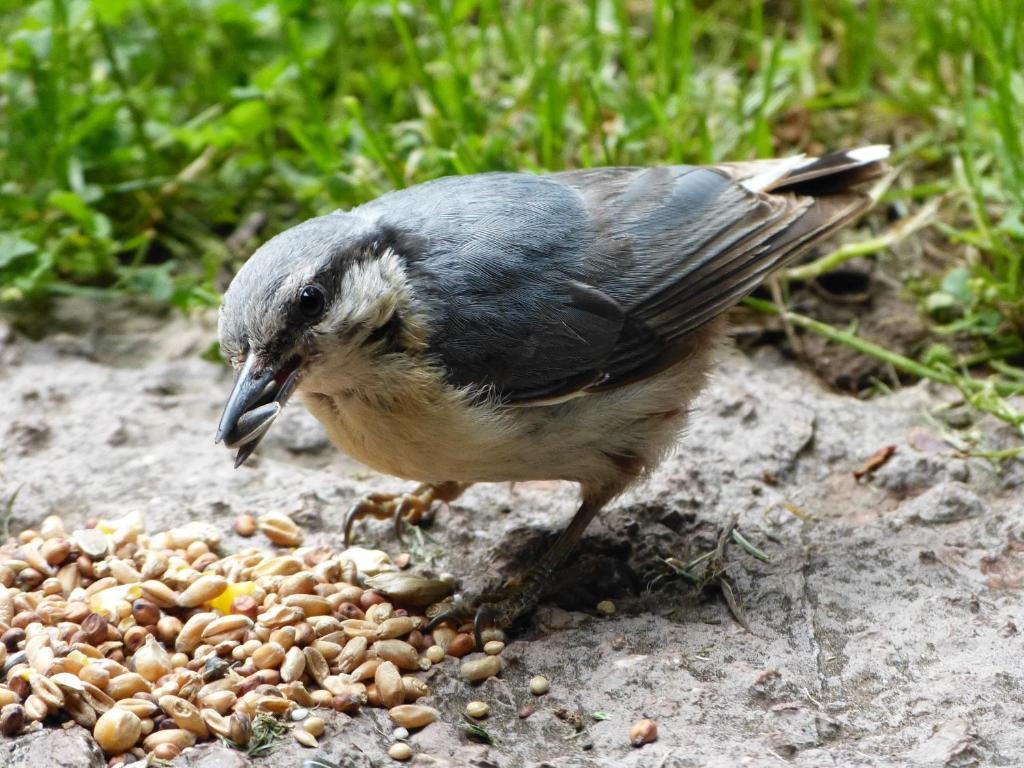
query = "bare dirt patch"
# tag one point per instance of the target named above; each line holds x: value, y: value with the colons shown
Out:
x: 884, y: 632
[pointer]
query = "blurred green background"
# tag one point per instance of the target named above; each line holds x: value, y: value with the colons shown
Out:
x: 146, y: 145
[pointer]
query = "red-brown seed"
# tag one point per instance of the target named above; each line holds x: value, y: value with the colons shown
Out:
x: 461, y: 645
x: 246, y: 606
x: 643, y: 732
x: 245, y: 525
x: 347, y: 704
x: 349, y: 611
x: 370, y: 597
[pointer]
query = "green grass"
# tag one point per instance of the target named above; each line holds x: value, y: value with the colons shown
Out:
x: 138, y: 135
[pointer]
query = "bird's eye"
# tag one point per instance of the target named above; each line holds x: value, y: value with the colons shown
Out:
x: 311, y: 302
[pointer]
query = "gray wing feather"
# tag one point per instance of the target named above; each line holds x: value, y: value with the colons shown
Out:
x: 544, y: 286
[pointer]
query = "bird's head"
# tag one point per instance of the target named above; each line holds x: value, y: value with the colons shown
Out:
x: 315, y: 309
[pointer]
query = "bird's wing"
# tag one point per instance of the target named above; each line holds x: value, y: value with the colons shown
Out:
x: 576, y: 282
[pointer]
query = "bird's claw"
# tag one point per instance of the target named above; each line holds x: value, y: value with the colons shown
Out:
x: 492, y: 610
x: 402, y: 508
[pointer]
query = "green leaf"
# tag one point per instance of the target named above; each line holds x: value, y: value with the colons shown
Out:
x: 13, y: 247
x: 112, y: 12
x: 938, y: 301
x: 73, y: 205
x: 957, y: 284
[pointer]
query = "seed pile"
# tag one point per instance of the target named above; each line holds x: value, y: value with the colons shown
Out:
x: 156, y: 642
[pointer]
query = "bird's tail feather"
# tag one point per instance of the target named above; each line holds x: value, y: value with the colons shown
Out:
x: 833, y: 173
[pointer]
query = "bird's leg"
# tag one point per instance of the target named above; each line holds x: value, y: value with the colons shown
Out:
x: 401, y: 507
x: 521, y: 593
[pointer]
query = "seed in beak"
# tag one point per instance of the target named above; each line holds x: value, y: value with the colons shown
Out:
x: 252, y: 425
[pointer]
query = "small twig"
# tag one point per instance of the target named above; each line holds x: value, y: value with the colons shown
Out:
x: 874, y: 461
x: 775, y: 288
x: 190, y: 172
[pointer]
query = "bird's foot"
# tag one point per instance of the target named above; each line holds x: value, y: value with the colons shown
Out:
x: 497, y: 608
x: 402, y: 508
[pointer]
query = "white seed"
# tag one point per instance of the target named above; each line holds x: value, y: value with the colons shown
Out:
x: 400, y: 751
x: 539, y: 685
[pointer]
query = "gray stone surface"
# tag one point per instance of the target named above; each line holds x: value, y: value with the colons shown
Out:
x: 883, y: 633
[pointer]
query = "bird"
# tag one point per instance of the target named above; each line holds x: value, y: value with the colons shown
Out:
x: 506, y: 327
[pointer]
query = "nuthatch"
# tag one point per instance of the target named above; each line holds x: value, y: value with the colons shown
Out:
x: 514, y: 327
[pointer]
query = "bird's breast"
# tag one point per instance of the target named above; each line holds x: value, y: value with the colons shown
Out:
x: 434, y: 438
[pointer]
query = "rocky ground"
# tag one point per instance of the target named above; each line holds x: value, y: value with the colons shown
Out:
x: 884, y: 631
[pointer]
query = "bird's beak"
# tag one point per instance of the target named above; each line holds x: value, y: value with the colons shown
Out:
x: 259, y: 394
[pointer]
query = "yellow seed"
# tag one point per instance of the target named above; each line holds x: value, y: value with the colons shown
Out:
x: 314, y: 725
x: 117, y: 730
x: 494, y: 647
x: 435, y: 653
x: 478, y: 709
x: 224, y: 600
x: 606, y: 608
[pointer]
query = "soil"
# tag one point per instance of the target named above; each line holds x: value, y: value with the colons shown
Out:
x: 884, y: 631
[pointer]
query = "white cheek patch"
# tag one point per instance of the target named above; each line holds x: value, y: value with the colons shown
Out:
x: 371, y: 290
